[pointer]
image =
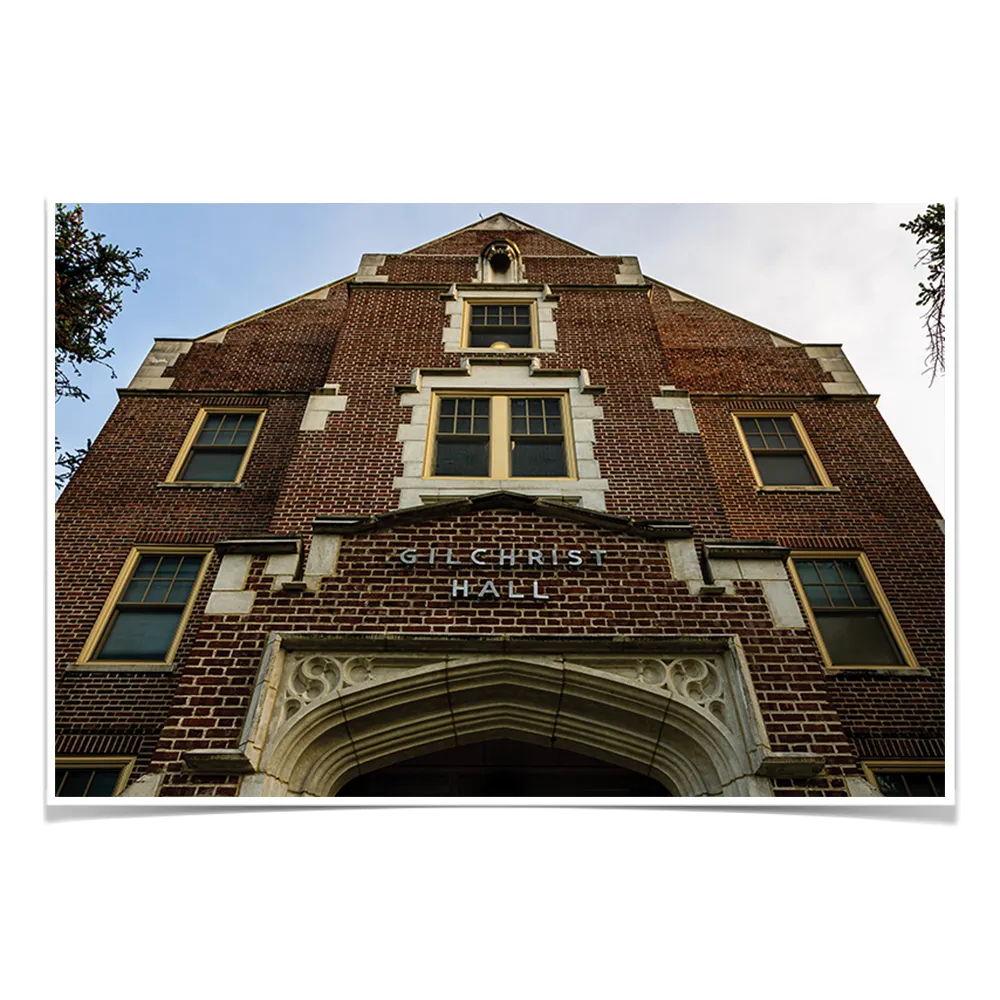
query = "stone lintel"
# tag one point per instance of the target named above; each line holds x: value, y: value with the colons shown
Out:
x: 453, y: 643
x: 746, y: 550
x: 339, y: 525
x: 268, y: 545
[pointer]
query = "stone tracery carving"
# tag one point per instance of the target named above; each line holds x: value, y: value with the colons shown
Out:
x: 694, y: 678
x: 331, y: 710
x: 310, y: 678
x: 700, y: 681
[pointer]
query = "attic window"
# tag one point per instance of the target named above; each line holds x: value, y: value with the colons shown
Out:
x: 500, y: 262
x: 500, y: 325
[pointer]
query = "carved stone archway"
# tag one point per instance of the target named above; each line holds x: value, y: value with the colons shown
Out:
x: 327, y: 709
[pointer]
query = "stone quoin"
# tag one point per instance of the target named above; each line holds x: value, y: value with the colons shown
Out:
x: 498, y: 516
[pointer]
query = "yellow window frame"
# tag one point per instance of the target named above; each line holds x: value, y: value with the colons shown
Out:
x: 500, y: 436
x: 79, y: 762
x: 102, y: 626
x: 823, y: 483
x: 928, y: 766
x: 871, y: 581
x: 467, y: 305
x: 192, y: 436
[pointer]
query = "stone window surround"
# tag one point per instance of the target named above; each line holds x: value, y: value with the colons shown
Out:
x: 541, y: 297
x: 484, y: 264
x: 500, y: 376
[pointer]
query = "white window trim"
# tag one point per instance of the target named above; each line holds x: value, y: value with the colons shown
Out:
x: 587, y: 490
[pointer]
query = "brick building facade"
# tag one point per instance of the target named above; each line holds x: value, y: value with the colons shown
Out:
x: 494, y: 516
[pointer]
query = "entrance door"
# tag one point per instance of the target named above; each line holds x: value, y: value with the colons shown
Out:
x: 503, y: 768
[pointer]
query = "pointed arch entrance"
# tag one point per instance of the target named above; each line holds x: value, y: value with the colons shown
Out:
x: 329, y: 709
x: 503, y: 768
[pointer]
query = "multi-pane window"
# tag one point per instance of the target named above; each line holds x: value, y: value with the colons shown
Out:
x: 537, y: 444
x: 218, y: 449
x: 79, y: 778
x: 500, y: 437
x: 779, y: 450
x: 899, y: 784
x: 500, y: 325
x: 147, y: 613
x: 849, y: 615
x: 463, y: 437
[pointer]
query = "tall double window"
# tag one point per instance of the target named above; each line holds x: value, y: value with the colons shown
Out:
x: 144, y: 617
x: 217, y: 447
x: 779, y: 451
x: 500, y: 436
x: 850, y: 615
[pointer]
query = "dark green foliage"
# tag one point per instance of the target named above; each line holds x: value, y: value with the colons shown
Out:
x: 929, y: 228
x: 90, y: 278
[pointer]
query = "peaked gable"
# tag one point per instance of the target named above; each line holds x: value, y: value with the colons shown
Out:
x: 529, y: 239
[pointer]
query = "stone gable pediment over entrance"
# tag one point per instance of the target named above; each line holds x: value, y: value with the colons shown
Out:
x: 502, y: 500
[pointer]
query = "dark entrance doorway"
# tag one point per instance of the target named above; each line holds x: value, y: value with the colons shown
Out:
x: 503, y: 768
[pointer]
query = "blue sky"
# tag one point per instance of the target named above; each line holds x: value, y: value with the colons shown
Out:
x: 840, y: 273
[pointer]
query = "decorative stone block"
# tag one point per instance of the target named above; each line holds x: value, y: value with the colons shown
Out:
x: 321, y: 404
x: 232, y: 572
x: 229, y: 602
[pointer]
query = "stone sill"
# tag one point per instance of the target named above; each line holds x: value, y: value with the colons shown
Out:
x: 217, y: 762
x: 126, y: 668
x: 501, y: 352
x: 798, y: 489
x: 200, y: 486
x: 791, y: 765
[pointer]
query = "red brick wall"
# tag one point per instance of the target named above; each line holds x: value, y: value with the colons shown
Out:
x: 529, y: 242
x: 117, y: 490
x: 368, y: 339
x: 572, y: 270
x: 445, y: 269
x: 287, y: 349
x: 633, y: 594
x: 881, y: 509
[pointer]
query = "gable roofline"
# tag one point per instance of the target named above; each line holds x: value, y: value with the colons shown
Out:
x: 589, y: 253
x: 502, y: 500
x: 349, y: 277
x: 705, y: 302
x: 263, y: 312
x: 527, y: 225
